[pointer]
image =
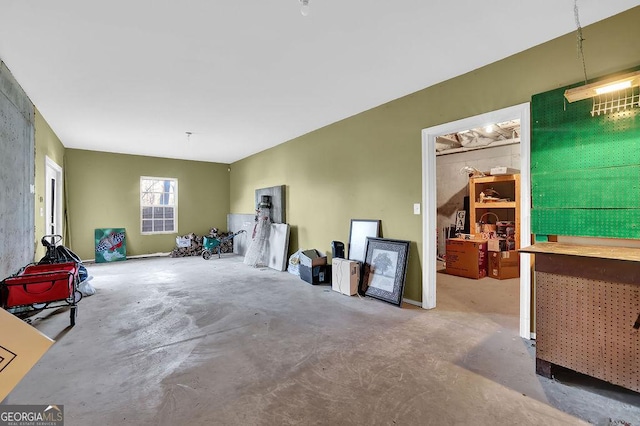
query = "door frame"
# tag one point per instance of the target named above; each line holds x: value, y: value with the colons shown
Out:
x: 429, y: 226
x: 52, y: 169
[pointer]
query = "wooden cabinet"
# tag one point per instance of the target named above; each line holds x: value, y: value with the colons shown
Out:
x: 587, y: 304
x: 495, y: 195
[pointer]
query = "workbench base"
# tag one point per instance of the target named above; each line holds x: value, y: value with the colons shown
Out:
x: 588, y: 311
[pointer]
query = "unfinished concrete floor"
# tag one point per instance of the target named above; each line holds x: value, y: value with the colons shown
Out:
x: 193, y: 342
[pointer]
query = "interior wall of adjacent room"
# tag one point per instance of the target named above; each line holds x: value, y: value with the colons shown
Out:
x: 103, y: 191
x: 453, y: 186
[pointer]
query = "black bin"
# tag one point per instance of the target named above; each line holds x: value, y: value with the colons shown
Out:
x: 337, y: 249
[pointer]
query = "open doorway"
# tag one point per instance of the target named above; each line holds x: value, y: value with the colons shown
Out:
x: 53, y: 197
x: 431, y: 230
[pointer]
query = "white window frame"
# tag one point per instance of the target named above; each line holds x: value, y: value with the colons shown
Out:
x: 174, y: 205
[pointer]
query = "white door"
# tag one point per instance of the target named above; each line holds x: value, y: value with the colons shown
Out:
x: 53, y: 198
x: 429, y: 227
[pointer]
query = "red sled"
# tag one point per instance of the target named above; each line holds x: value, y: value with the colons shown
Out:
x: 43, y: 286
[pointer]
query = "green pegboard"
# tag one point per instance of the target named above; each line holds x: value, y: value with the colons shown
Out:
x: 618, y: 223
x: 585, y: 171
x: 603, y: 188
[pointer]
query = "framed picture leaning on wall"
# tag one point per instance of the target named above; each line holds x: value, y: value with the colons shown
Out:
x: 385, y: 269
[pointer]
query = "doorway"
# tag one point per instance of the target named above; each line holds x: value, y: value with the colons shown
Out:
x: 429, y: 225
x: 53, y: 197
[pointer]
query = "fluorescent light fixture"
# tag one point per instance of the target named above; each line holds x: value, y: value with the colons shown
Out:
x: 613, y: 87
x: 609, y: 85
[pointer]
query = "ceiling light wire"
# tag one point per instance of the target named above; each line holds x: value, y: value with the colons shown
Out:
x: 580, y: 38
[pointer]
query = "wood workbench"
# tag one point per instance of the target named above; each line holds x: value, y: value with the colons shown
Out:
x: 588, y: 311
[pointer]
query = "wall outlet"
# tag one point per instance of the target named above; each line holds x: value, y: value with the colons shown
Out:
x: 416, y: 208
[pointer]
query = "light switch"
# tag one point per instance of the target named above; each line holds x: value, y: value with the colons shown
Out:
x: 416, y: 208
x: 41, y: 212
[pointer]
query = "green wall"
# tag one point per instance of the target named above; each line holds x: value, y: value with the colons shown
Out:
x: 47, y: 145
x: 584, y: 169
x: 369, y: 166
x: 103, y: 191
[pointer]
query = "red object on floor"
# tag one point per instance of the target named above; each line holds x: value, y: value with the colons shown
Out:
x: 40, y: 284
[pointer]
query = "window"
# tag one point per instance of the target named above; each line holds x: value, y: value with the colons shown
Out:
x: 158, y: 205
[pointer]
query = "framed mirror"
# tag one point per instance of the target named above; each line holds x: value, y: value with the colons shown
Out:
x: 358, y: 233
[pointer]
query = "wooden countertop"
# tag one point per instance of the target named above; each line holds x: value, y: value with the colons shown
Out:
x: 601, y: 252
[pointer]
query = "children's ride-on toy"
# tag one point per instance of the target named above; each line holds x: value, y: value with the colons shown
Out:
x: 212, y: 244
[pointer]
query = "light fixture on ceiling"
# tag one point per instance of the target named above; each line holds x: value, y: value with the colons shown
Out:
x: 489, y: 128
x: 304, y: 9
x: 614, y: 84
x: 609, y: 95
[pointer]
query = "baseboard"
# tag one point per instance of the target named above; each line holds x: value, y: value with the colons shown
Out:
x: 138, y: 256
x: 412, y: 302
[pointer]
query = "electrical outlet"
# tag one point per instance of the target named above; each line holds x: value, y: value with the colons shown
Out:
x: 416, y: 208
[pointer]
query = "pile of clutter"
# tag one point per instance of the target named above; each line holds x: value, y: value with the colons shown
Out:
x: 191, y: 244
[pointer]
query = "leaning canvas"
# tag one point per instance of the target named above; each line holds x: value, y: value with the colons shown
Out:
x: 110, y: 244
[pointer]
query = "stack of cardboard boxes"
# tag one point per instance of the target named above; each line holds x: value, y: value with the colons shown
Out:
x: 466, y: 257
x: 478, y: 258
x: 504, y: 261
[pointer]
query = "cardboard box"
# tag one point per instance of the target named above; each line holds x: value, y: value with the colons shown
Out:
x: 21, y: 346
x: 316, y: 274
x: 466, y: 258
x: 345, y: 276
x: 505, y: 264
x: 183, y: 241
x: 501, y: 244
x: 313, y: 267
x: 503, y: 170
x: 498, y: 244
x: 310, y: 258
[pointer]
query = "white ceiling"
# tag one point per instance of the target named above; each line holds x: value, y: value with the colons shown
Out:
x: 245, y: 75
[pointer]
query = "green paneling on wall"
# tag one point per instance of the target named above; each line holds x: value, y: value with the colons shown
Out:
x: 104, y: 191
x: 585, y: 170
x: 621, y: 223
x: 602, y: 188
x: 369, y: 166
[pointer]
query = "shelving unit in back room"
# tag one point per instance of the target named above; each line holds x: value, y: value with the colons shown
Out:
x: 508, y: 188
